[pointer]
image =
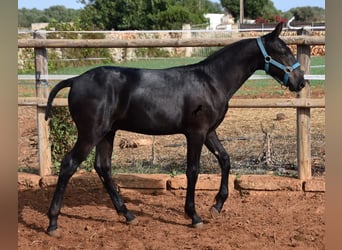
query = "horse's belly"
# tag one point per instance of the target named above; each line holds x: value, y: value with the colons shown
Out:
x: 150, y: 123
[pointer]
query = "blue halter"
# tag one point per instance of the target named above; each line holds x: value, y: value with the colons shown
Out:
x: 269, y: 60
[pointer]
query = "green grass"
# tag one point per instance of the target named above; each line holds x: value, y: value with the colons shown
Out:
x: 317, y: 61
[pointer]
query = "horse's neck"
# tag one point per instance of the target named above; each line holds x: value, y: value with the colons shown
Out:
x: 235, y: 65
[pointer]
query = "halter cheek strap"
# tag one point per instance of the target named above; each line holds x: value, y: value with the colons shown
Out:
x: 269, y: 60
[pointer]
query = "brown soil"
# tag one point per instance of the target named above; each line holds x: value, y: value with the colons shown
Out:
x: 254, y: 220
x: 250, y: 220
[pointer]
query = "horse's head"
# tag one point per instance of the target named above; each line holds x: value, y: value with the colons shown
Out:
x: 279, y: 62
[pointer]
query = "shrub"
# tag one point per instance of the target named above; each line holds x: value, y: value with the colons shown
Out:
x: 63, y: 135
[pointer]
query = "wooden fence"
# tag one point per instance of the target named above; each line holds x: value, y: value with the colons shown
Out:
x: 303, y: 103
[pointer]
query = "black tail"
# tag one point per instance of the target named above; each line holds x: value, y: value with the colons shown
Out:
x: 63, y: 84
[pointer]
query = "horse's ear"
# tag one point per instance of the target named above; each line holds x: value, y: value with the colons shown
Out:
x: 276, y: 32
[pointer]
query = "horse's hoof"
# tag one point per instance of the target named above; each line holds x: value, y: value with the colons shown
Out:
x: 214, y: 212
x: 133, y: 221
x: 198, y: 225
x: 55, y: 233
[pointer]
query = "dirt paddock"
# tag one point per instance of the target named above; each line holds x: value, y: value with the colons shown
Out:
x: 249, y: 220
x: 286, y: 219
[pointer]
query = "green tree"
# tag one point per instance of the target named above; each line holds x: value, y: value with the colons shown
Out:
x: 232, y: 6
x: 28, y: 16
x: 124, y: 14
x: 144, y: 14
x: 252, y: 8
x: 56, y: 13
x: 61, y: 14
x: 198, y: 6
x: 173, y: 18
x: 308, y: 14
x: 99, y: 14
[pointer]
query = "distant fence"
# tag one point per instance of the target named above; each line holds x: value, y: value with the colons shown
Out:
x: 303, y: 103
x: 243, y: 27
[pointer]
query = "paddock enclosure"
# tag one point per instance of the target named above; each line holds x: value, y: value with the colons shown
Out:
x: 303, y: 103
x: 277, y: 219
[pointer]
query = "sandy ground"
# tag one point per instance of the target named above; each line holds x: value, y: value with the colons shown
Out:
x: 249, y: 220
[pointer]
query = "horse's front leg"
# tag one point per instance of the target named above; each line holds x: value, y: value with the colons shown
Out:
x: 194, y: 147
x: 214, y: 145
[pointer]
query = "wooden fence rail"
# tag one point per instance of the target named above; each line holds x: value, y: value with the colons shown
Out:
x: 303, y: 103
x: 233, y: 103
x: 149, y: 43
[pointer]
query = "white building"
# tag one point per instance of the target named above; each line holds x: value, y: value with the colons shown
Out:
x: 219, y: 21
x: 214, y: 20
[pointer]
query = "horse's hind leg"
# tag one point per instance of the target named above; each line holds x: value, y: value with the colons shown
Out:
x: 214, y: 145
x: 194, y: 147
x: 68, y: 167
x: 104, y: 150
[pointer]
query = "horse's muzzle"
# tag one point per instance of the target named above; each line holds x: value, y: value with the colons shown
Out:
x: 297, y: 81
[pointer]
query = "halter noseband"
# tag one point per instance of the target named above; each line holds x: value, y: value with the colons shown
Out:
x: 269, y: 60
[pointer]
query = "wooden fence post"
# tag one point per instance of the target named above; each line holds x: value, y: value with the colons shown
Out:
x: 42, y: 91
x: 303, y: 115
x: 186, y: 35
